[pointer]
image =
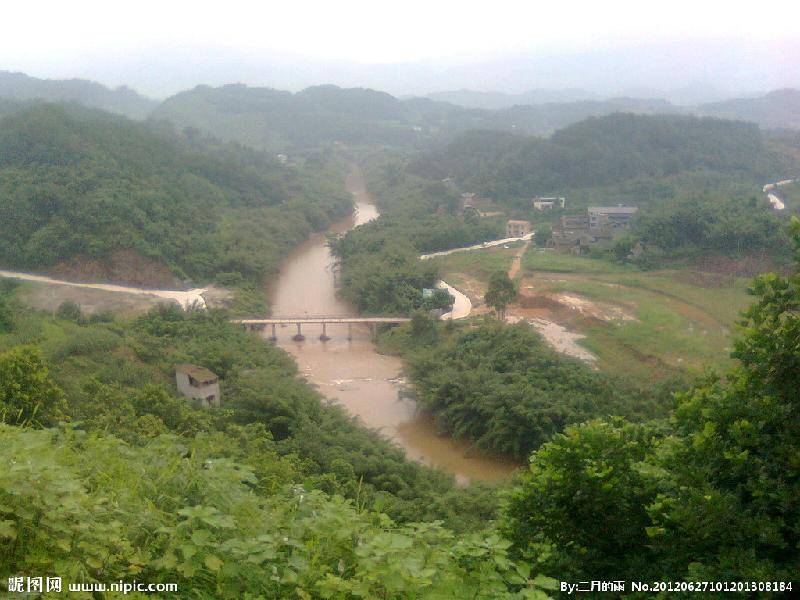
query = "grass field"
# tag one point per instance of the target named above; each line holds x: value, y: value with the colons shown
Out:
x: 469, y: 271
x: 678, y: 318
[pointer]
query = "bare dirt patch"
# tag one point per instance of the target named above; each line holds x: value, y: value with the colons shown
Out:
x: 123, y: 266
x: 558, y: 337
x: 516, y: 262
x: 746, y: 266
x: 48, y: 297
x: 561, y: 301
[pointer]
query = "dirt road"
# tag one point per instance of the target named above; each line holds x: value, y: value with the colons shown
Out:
x: 184, y: 298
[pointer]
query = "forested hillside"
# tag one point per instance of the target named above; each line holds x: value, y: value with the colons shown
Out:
x: 381, y: 270
x: 644, y: 152
x: 281, y: 121
x: 503, y: 389
x: 81, y: 186
x: 277, y: 495
x: 275, y: 120
x: 123, y: 100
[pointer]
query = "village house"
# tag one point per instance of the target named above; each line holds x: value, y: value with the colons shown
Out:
x: 467, y: 201
x: 517, y: 229
x: 198, y: 383
x: 548, y: 203
x: 572, y: 222
x: 571, y: 241
x: 610, y: 217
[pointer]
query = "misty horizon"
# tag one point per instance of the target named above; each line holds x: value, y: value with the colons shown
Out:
x: 619, y: 49
x: 654, y: 70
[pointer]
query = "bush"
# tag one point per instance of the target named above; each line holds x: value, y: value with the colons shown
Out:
x: 6, y: 318
x: 69, y: 311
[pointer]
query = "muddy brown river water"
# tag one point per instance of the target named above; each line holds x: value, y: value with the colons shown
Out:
x: 367, y: 384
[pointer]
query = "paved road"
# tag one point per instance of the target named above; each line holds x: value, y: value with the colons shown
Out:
x: 476, y: 247
x: 184, y: 299
x: 462, y: 307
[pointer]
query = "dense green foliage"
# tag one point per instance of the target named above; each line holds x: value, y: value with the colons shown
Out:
x: 713, y: 495
x: 504, y: 389
x: 281, y: 121
x: 695, y: 225
x: 183, y: 511
x: 381, y: 271
x: 83, y: 185
x: 275, y: 494
x: 637, y: 157
x: 275, y: 120
x: 119, y: 377
x: 582, y: 507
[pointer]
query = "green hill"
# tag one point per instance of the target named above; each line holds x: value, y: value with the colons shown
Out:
x: 603, y: 152
x: 122, y: 100
x: 84, y: 185
x: 275, y: 120
x: 279, y: 121
x: 777, y: 109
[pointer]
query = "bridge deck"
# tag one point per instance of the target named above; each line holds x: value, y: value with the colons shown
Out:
x: 320, y: 320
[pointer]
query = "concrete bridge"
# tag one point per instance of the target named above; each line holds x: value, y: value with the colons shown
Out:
x: 261, y: 324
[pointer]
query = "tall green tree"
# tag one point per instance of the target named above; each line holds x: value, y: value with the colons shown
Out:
x: 580, y: 510
x: 500, y: 293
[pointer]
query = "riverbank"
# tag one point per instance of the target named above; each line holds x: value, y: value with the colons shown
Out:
x: 350, y: 372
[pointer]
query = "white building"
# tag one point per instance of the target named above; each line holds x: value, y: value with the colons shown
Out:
x: 198, y: 383
x: 548, y: 203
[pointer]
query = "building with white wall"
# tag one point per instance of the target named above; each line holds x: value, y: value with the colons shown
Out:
x: 198, y: 383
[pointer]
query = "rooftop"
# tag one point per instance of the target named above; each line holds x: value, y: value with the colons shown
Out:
x: 513, y: 222
x: 197, y: 372
x: 613, y: 209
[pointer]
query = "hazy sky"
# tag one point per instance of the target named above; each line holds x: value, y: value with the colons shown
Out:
x: 36, y: 32
x: 406, y: 46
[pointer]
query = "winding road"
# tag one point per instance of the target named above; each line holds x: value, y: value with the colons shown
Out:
x: 185, y: 299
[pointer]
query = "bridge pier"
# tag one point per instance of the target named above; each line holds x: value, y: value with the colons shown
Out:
x: 349, y: 332
x: 274, y: 336
x: 299, y: 337
x: 324, y: 337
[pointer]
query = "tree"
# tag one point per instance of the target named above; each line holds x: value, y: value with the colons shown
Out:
x: 731, y: 504
x: 27, y: 394
x: 501, y: 292
x: 544, y: 233
x: 69, y: 311
x: 580, y: 510
x: 6, y: 317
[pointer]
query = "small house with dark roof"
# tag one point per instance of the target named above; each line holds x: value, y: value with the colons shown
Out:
x: 517, y: 229
x: 198, y: 383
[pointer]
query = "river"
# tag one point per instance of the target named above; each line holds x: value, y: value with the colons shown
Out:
x: 367, y: 384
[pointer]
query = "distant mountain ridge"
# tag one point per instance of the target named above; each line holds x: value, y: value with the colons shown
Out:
x: 122, y: 100
x: 489, y: 100
x: 777, y: 109
x: 276, y: 120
